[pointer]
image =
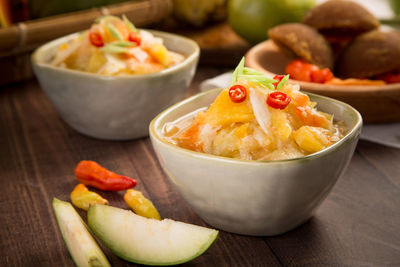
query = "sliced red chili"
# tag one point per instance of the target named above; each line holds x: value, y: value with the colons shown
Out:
x: 237, y: 93
x: 135, y: 38
x: 96, y: 39
x: 278, y: 100
x: 278, y: 78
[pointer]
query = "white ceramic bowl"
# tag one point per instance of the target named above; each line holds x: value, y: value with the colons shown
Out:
x: 254, y: 197
x: 114, y: 108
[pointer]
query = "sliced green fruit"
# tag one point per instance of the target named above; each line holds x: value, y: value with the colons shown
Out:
x: 148, y: 241
x: 81, y: 245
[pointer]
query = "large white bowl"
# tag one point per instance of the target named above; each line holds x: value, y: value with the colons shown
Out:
x: 254, y: 197
x: 114, y: 108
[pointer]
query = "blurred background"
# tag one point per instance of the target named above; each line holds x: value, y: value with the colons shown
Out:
x: 224, y: 29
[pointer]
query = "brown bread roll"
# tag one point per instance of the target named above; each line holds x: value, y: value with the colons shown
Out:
x: 340, y: 19
x: 305, y: 42
x: 370, y: 54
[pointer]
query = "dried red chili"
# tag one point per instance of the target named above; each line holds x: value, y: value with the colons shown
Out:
x: 96, y: 39
x: 278, y: 100
x: 92, y: 174
x: 237, y: 93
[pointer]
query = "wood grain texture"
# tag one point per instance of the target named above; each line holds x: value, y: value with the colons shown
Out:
x: 357, y: 225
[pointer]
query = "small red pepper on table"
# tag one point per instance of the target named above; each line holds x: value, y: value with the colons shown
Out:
x: 82, y: 198
x: 92, y: 174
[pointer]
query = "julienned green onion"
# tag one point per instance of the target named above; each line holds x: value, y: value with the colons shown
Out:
x: 103, y: 17
x: 110, y: 48
x: 282, y: 82
x: 237, y: 71
x: 122, y: 43
x: 114, y: 32
x: 129, y: 24
x: 262, y: 78
x: 249, y: 74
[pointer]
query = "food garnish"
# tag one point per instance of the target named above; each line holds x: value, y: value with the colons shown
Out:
x: 140, y: 204
x: 266, y: 125
x: 92, y: 174
x: 113, y: 46
x: 148, y: 241
x: 82, y: 198
x: 96, y: 39
x: 278, y: 100
x: 237, y: 93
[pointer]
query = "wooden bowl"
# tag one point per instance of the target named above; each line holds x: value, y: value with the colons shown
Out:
x: 377, y: 104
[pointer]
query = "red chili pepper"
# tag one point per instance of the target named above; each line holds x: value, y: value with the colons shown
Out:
x: 299, y: 70
x: 321, y: 76
x: 134, y: 37
x: 96, y: 39
x: 278, y: 78
x: 237, y: 93
x: 92, y: 174
x: 391, y: 77
x: 278, y: 100
x: 303, y: 71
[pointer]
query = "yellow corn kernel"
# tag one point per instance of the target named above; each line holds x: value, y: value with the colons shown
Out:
x: 311, y: 139
x: 140, y: 204
x: 161, y: 54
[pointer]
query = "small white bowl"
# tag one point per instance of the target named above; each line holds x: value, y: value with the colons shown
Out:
x: 259, y: 198
x: 114, y: 107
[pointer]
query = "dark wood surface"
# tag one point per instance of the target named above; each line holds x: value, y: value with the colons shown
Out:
x: 357, y: 225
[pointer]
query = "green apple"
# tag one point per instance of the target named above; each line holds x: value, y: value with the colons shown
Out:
x: 80, y: 243
x: 148, y: 241
x: 252, y: 19
x: 395, y: 4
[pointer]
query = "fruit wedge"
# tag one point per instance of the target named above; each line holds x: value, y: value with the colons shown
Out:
x: 81, y: 245
x: 148, y: 241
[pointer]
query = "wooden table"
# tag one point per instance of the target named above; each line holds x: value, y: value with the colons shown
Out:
x: 357, y: 225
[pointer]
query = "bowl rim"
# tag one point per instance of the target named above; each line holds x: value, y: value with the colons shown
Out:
x: 253, y: 59
x: 192, y: 57
x: 156, y: 121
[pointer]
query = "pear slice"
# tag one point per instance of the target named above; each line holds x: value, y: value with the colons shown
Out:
x: 80, y: 243
x: 148, y: 241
